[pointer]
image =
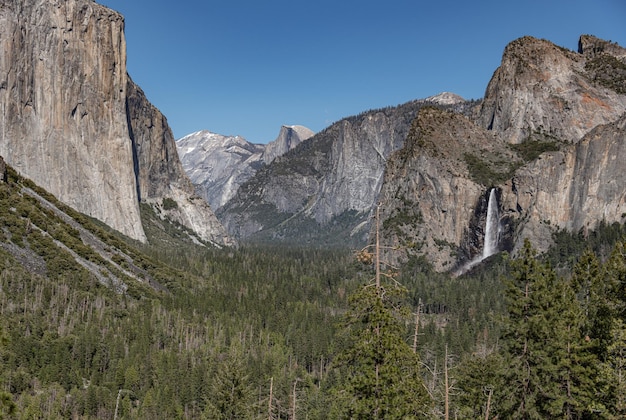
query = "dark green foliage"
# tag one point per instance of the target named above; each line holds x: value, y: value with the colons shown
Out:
x: 232, y: 394
x: 530, y: 149
x: 614, y: 369
x: 482, y: 172
x: 169, y: 203
x: 568, y: 246
x: 481, y: 384
x: 562, y: 344
x: 488, y: 172
x: 551, y: 369
x: 381, y: 373
x: 607, y: 71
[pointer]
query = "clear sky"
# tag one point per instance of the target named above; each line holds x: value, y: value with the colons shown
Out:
x: 246, y: 67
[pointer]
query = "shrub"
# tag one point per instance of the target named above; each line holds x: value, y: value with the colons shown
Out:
x: 169, y: 203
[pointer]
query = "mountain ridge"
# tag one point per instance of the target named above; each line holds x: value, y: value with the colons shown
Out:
x: 565, y: 174
x: 540, y: 103
x: 217, y: 165
x: 330, y: 181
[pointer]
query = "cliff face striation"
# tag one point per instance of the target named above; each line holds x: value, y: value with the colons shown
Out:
x: 63, y: 106
x: 74, y: 122
x: 573, y: 189
x: 217, y: 165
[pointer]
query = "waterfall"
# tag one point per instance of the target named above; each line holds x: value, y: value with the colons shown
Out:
x: 490, y: 245
x: 492, y: 229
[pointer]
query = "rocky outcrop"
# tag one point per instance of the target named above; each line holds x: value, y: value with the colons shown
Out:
x: 445, y: 98
x: 62, y: 93
x: 217, y: 165
x: 288, y: 138
x: 592, y: 47
x: 73, y: 121
x: 432, y: 203
x: 160, y: 174
x: 541, y: 90
x: 544, y: 92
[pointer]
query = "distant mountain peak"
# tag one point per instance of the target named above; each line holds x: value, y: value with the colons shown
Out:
x: 288, y: 138
x: 445, y: 98
x: 217, y: 165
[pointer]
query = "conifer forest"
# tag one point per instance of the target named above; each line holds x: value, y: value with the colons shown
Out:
x: 270, y: 332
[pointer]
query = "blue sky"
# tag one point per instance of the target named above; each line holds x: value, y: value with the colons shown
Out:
x: 246, y: 67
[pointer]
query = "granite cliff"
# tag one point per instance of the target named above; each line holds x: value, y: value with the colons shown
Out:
x: 541, y: 89
x: 572, y: 189
x: 324, y: 190
x: 430, y: 204
x: 549, y: 137
x: 75, y: 123
x: 217, y: 165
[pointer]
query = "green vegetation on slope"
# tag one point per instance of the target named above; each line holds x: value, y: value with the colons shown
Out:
x: 263, y: 332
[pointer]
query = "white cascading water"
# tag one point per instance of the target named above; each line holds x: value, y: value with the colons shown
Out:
x: 491, y: 226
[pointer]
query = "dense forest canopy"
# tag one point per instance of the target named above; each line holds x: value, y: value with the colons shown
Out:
x: 269, y: 332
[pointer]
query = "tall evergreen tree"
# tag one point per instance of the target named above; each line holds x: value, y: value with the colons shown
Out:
x: 615, y: 370
x: 382, y: 378
x: 232, y: 394
x: 481, y: 383
x: 551, y: 373
x: 594, y: 288
x: 614, y: 355
x: 615, y: 279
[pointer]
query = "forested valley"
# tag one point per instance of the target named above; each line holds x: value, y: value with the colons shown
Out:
x: 263, y: 332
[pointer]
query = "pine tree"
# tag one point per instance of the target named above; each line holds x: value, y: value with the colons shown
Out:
x: 614, y: 355
x: 232, y: 394
x: 480, y: 381
x: 594, y: 288
x: 382, y: 378
x: 7, y: 406
x: 551, y: 367
x: 615, y: 370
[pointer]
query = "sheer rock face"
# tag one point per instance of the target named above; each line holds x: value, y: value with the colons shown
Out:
x: 573, y: 189
x: 543, y: 90
x: 66, y: 103
x: 576, y: 98
x: 329, y: 182
x: 63, y: 87
x: 288, y: 138
x: 217, y: 165
x: 160, y: 173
